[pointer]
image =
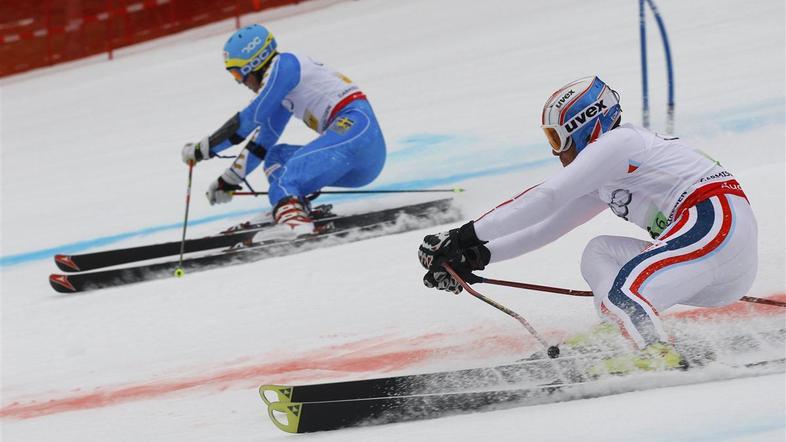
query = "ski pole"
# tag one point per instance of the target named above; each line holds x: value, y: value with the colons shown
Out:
x: 764, y: 301
x: 571, y: 292
x: 179, y: 272
x: 454, y: 190
x: 541, y: 288
x: 551, y: 350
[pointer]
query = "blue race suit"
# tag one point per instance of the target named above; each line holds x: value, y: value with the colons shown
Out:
x: 349, y: 152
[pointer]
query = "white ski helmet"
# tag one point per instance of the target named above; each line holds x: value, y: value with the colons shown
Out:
x: 579, y: 112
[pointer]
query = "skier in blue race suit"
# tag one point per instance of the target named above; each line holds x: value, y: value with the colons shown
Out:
x: 350, y: 148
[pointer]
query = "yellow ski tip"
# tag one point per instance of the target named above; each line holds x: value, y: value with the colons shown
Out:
x: 285, y: 415
x: 275, y: 393
x: 458, y: 189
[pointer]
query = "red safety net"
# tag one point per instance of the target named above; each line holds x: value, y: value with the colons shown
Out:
x: 46, y: 32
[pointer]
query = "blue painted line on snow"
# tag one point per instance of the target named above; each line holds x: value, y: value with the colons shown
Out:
x: 742, y: 120
x: 79, y: 246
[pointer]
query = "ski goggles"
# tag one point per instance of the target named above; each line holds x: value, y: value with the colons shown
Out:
x: 241, y: 73
x: 239, y: 77
x: 559, y: 134
x: 558, y: 137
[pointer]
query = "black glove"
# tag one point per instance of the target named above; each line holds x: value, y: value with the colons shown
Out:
x: 445, y: 246
x: 442, y: 281
x: 474, y: 258
x: 460, y: 248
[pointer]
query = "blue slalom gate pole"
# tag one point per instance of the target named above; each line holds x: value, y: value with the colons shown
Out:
x: 645, y: 99
x: 669, y: 66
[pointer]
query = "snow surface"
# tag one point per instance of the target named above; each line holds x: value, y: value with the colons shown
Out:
x: 90, y: 160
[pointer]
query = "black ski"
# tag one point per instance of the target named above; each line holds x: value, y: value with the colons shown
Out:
x: 539, y: 368
x: 228, y: 238
x: 336, y: 230
x: 109, y: 258
x: 369, y: 409
x: 306, y: 417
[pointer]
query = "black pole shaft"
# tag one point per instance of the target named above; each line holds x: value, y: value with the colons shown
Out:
x: 455, y: 190
x: 587, y: 293
x: 540, y: 288
x: 497, y: 305
x: 185, y: 220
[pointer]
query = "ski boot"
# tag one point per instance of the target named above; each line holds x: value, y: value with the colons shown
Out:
x: 600, y: 338
x: 291, y: 221
x: 654, y: 357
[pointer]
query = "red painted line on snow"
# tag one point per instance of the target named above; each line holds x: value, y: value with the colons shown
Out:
x: 369, y: 356
x: 365, y: 356
x: 737, y: 310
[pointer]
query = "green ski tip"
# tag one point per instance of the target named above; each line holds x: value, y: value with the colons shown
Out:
x: 285, y: 415
x: 282, y: 393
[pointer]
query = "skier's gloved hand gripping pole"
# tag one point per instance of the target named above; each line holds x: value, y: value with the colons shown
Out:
x: 461, y: 248
x: 193, y: 153
x: 222, y: 189
x: 225, y: 186
x: 451, y: 257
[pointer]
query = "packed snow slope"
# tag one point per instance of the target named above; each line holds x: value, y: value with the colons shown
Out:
x: 91, y: 160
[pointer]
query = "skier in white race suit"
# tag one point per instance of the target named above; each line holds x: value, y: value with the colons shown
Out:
x: 703, y: 250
